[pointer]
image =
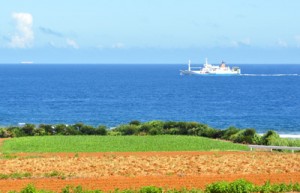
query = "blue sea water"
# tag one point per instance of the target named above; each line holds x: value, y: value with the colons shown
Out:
x: 266, y: 97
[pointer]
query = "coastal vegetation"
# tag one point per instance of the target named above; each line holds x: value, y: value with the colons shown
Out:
x: 137, y: 128
x: 30, y: 144
x: 238, y: 186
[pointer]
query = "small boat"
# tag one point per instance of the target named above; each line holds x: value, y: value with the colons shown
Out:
x: 209, y: 69
x: 27, y: 62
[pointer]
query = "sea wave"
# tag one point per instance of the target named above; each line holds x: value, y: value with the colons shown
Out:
x: 290, y: 136
x: 286, y: 135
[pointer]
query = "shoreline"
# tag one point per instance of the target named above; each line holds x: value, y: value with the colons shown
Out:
x: 285, y: 135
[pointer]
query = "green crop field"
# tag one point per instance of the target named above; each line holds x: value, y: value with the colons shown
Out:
x: 116, y: 144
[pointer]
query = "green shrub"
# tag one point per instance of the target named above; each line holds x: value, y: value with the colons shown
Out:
x: 247, y: 136
x: 155, y: 127
x: 293, y: 142
x: 296, y: 187
x: 49, y: 129
x: 144, y: 128
x: 229, y: 132
x: 169, y: 124
x: 127, y: 129
x: 218, y: 187
x: 5, y: 133
x: 77, y: 189
x: 28, y: 129
x: 155, y: 131
x: 272, y: 138
x: 40, y: 132
x: 184, y: 190
x: 135, y: 122
x: 150, y: 189
x: 241, y: 186
x: 16, y: 131
x: 238, y: 186
x: 185, y: 127
x: 101, y: 130
x: 173, y: 131
x: 280, y: 142
x: 156, y: 124
x: 67, y: 189
x: 269, y: 138
x: 201, y: 130
x: 70, y: 130
x: 211, y: 133
x: 114, y: 133
x: 281, y: 188
x: 266, y: 188
x: 30, y: 188
x: 60, y: 129
x: 87, y: 130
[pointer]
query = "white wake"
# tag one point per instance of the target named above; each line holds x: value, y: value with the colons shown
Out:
x: 270, y: 74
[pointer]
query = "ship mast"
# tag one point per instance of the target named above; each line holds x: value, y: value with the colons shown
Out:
x: 189, y: 65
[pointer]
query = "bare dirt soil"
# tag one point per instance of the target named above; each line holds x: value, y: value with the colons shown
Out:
x: 108, y: 171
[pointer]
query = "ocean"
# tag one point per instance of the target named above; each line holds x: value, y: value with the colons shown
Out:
x: 265, y: 97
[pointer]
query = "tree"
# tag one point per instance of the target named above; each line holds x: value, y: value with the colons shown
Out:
x: 28, y: 129
x: 270, y: 138
x: 101, y: 130
x: 135, y: 122
x: 87, y: 130
x: 49, y: 129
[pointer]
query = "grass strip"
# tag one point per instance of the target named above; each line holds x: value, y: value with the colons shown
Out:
x: 75, y: 144
x: 15, y: 176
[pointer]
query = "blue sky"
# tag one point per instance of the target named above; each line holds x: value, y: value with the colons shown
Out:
x: 149, y: 31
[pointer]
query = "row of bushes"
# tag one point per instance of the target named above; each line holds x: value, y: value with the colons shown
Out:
x: 45, y: 129
x: 238, y: 186
x: 236, y: 135
x: 246, y: 136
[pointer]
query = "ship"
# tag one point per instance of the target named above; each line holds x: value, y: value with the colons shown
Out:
x: 27, y: 62
x: 209, y: 69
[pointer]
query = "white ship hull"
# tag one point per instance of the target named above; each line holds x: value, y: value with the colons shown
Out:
x: 193, y: 72
x: 211, y: 70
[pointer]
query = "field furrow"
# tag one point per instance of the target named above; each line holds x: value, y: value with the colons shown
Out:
x: 107, y: 171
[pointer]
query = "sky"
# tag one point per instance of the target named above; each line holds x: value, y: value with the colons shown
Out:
x: 150, y: 31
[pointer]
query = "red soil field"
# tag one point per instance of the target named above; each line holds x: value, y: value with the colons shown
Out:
x: 108, y: 171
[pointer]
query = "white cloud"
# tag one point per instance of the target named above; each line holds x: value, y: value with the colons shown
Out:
x: 282, y: 43
x: 118, y: 45
x: 24, y: 35
x: 72, y: 43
